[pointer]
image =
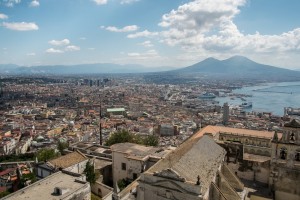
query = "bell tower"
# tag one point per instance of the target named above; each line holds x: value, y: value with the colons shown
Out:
x: 285, y: 162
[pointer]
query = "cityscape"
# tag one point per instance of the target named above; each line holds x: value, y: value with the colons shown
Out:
x: 194, y: 105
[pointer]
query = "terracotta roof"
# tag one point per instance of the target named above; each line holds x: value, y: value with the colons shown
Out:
x: 216, y: 129
x: 68, y: 160
x: 7, y: 171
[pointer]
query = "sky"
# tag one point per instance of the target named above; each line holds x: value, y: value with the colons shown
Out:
x: 152, y: 33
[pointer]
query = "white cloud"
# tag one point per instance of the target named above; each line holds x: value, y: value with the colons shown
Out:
x: 31, y: 54
x: 72, y: 48
x: 52, y: 50
x: 59, y: 42
x: 144, y: 56
x: 144, y: 33
x: 128, y: 1
x: 3, y: 16
x: 82, y: 38
x: 11, y: 3
x: 21, y: 26
x: 204, y: 27
x: 146, y: 44
x: 100, y: 2
x: 34, y: 3
x: 124, y: 29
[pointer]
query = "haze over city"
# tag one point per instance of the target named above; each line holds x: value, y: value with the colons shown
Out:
x: 172, y: 33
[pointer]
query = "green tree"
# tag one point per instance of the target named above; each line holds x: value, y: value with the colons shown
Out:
x: 46, y: 154
x: 120, y: 137
x: 125, y: 136
x: 122, y: 183
x: 90, y: 172
x: 61, y: 146
x: 27, y: 177
x: 151, y: 140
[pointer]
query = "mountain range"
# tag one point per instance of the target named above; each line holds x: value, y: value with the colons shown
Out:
x: 235, y: 66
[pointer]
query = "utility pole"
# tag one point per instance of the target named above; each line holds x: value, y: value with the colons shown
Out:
x: 100, y: 124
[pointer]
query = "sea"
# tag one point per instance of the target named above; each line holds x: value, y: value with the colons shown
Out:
x: 267, y: 97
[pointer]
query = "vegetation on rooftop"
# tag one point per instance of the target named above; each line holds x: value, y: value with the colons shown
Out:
x: 123, y: 183
x: 61, y: 146
x: 20, y: 157
x: 46, y: 154
x: 123, y: 136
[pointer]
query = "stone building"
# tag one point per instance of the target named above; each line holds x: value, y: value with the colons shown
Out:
x: 285, y: 164
x: 73, y: 162
x: 130, y: 160
x: 195, y: 171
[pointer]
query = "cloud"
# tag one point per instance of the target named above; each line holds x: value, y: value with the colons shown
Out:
x: 3, y: 16
x: 124, y: 29
x: 11, y: 3
x: 21, y: 26
x: 30, y: 54
x: 144, y: 56
x: 72, y: 48
x: 59, y: 42
x: 52, y: 50
x: 128, y: 1
x: 34, y: 3
x: 144, y: 33
x: 100, y: 2
x: 82, y: 38
x: 207, y: 28
x: 146, y: 44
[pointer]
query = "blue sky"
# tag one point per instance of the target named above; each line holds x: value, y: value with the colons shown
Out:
x: 149, y: 32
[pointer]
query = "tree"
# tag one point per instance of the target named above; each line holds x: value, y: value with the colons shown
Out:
x: 120, y: 137
x: 46, y: 154
x: 90, y: 172
x: 151, y: 140
x: 27, y: 177
x: 125, y: 136
x: 61, y: 146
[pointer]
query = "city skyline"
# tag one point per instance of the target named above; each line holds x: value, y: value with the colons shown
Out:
x: 169, y: 33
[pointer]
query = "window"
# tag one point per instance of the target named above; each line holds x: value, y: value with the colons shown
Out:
x: 297, y: 155
x: 123, y: 166
x: 134, y: 176
x: 283, y: 152
x: 292, y: 137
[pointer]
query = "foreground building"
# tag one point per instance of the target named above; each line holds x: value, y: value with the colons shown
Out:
x: 58, y: 186
x: 207, y: 166
x: 195, y: 171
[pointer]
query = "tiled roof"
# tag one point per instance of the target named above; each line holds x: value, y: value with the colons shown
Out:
x: 197, y: 156
x: 216, y: 129
x: 7, y: 171
x: 68, y: 160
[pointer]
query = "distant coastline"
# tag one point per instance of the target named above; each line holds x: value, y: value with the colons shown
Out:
x: 268, y: 97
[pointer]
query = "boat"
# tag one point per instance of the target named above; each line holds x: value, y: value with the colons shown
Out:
x: 207, y: 95
x: 246, y: 105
